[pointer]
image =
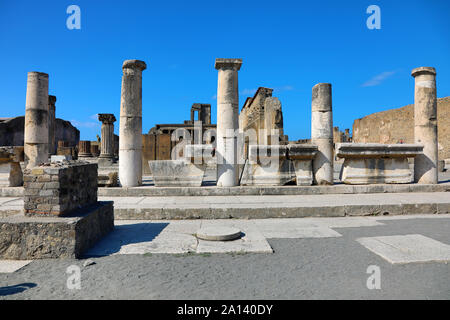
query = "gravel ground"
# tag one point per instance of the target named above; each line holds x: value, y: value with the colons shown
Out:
x: 327, y: 268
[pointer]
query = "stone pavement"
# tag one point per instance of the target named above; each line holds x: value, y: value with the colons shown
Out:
x: 178, y: 237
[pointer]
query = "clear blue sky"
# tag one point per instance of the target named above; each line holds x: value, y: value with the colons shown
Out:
x: 285, y: 45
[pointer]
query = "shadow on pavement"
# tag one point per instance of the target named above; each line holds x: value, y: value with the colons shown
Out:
x: 123, y: 235
x: 18, y: 288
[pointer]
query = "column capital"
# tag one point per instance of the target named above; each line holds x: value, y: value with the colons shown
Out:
x: 423, y: 70
x: 106, y: 118
x: 134, y: 64
x: 228, y: 64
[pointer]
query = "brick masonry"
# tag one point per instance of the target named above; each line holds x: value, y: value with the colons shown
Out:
x: 58, y: 188
x: 397, y: 126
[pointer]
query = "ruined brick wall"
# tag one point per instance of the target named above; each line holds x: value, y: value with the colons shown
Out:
x: 57, y: 189
x: 12, y: 132
x: 397, y: 126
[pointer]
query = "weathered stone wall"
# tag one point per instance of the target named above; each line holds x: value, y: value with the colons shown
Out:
x: 57, y: 189
x: 397, y: 126
x: 12, y: 132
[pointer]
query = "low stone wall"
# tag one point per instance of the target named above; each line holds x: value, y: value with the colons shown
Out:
x: 44, y: 237
x: 58, y: 188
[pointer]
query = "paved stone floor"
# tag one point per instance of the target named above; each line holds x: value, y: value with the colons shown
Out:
x: 311, y: 258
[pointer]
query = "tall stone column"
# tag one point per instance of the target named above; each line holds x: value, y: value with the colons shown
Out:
x: 425, y: 125
x: 130, y: 141
x: 107, y: 142
x: 51, y: 125
x: 227, y: 122
x: 36, y: 119
x: 322, y: 133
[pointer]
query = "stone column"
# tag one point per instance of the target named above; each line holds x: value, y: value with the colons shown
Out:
x: 36, y: 119
x: 107, y: 141
x: 227, y: 121
x: 425, y: 125
x: 322, y: 133
x: 51, y: 125
x: 130, y: 141
x: 84, y: 149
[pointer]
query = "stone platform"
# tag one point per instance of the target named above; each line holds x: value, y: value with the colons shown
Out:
x: 280, y: 206
x: 24, y: 238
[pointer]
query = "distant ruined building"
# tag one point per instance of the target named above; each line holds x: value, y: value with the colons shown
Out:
x: 397, y: 126
x: 159, y: 143
x: 12, y: 132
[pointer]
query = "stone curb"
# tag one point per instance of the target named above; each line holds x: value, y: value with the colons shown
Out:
x: 279, y: 212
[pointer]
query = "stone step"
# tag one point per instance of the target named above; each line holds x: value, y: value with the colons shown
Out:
x: 280, y: 206
x: 265, y: 206
x: 152, y: 191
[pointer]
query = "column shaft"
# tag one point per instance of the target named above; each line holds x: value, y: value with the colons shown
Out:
x: 322, y: 133
x: 130, y: 142
x: 425, y: 125
x: 227, y: 121
x: 36, y: 119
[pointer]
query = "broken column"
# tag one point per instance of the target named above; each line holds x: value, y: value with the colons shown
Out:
x: 130, y: 142
x: 322, y: 133
x: 84, y: 149
x: 227, y: 121
x: 107, y: 142
x: 425, y: 125
x: 51, y: 125
x: 36, y: 119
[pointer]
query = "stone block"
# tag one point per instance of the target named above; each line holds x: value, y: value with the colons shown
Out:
x: 368, y: 163
x: 172, y: 173
x: 58, y: 188
x: 23, y: 237
x: 267, y: 165
x: 301, y: 156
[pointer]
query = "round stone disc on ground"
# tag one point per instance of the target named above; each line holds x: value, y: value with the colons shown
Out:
x: 218, y: 233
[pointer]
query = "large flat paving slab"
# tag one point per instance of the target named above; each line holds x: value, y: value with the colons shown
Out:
x: 410, y: 248
x: 10, y: 266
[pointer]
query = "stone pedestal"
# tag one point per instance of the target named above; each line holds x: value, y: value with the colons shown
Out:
x: 84, y: 149
x: 425, y: 125
x: 44, y: 237
x: 267, y: 166
x: 130, y: 142
x: 368, y: 163
x: 62, y: 217
x: 322, y: 133
x: 106, y: 157
x: 10, y: 170
x: 36, y: 119
x: 302, y: 156
x: 227, y: 121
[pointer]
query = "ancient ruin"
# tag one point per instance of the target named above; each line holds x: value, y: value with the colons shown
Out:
x: 247, y: 152
x: 130, y: 142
